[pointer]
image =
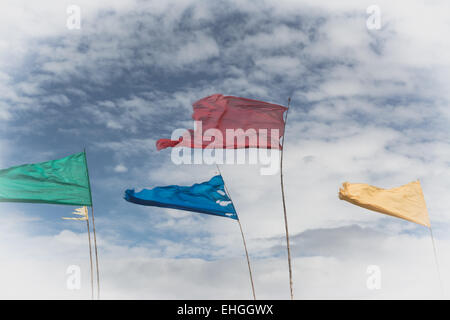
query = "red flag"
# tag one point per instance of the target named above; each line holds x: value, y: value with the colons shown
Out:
x: 232, y: 122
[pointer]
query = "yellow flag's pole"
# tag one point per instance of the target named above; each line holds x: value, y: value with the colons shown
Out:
x: 90, y: 257
x: 284, y: 204
x: 436, y: 261
x: 243, y: 238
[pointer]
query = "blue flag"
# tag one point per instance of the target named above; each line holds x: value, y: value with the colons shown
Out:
x: 207, y: 197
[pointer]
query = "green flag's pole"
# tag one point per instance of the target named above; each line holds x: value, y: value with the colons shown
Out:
x: 284, y: 204
x: 93, y: 228
x: 243, y: 238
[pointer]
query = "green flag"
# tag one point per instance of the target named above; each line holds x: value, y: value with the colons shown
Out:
x: 62, y: 181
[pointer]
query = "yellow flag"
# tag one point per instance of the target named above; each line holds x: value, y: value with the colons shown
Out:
x: 80, y: 212
x: 80, y: 219
x: 405, y: 202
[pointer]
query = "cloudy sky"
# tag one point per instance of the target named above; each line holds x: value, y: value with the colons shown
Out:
x: 367, y: 106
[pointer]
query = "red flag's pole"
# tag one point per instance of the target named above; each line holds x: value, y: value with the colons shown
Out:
x: 243, y: 238
x: 284, y: 204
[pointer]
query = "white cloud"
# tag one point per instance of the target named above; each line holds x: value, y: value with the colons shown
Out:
x: 368, y: 106
x: 120, y: 168
x: 201, y: 48
x: 36, y: 267
x: 280, y: 65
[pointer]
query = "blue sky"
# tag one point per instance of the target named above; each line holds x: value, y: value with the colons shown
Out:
x: 367, y: 106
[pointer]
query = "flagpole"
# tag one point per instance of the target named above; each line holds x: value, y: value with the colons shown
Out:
x: 96, y: 253
x: 436, y: 261
x: 248, y: 259
x: 243, y: 238
x: 90, y: 257
x: 93, y: 228
x: 284, y: 204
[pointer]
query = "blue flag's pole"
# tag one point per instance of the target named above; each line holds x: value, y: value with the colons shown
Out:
x: 284, y: 204
x: 243, y: 238
x: 248, y: 259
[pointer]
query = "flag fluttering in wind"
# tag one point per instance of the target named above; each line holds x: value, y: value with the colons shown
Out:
x: 405, y: 202
x: 256, y: 124
x: 207, y: 197
x: 63, y: 181
x: 83, y: 212
x: 228, y: 122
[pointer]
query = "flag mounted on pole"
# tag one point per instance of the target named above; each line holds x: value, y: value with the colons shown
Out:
x: 207, y: 197
x: 256, y: 124
x: 83, y: 213
x: 63, y: 181
x: 210, y: 197
x: 228, y: 122
x: 405, y: 202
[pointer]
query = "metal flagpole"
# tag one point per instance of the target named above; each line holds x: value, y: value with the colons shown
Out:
x: 243, y: 238
x: 93, y: 228
x: 436, y: 261
x: 90, y: 257
x: 284, y: 204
